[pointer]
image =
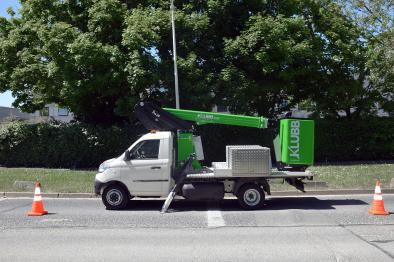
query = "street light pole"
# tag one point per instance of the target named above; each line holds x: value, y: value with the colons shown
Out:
x: 174, y: 53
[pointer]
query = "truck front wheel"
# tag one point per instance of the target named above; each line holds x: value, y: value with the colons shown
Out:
x: 251, y: 196
x: 115, y: 197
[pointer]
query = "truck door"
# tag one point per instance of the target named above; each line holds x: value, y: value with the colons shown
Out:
x: 148, y: 169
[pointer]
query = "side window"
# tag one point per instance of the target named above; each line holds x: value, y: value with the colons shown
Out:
x: 148, y: 149
x: 62, y: 111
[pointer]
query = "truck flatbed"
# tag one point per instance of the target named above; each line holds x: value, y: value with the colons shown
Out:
x: 226, y: 175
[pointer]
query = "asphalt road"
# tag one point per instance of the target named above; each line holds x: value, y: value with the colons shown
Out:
x: 321, y: 228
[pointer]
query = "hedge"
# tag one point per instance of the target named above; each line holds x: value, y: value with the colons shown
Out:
x: 77, y: 145
x: 367, y: 139
x: 56, y: 145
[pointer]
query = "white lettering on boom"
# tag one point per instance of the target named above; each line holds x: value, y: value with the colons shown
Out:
x: 295, y: 139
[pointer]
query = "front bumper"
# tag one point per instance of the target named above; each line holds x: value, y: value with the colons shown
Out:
x: 97, y: 187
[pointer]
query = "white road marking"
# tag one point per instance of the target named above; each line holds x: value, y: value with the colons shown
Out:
x: 215, y: 218
x: 56, y: 220
x: 1, y: 199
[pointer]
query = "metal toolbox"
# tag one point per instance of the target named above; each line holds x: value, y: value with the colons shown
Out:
x: 247, y: 160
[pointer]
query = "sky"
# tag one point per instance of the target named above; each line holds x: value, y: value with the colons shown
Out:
x: 6, y: 98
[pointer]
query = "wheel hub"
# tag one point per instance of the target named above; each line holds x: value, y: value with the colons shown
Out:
x: 252, y: 197
x: 114, y: 197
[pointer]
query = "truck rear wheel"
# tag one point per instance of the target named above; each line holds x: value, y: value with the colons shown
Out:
x: 115, y: 197
x: 251, y: 197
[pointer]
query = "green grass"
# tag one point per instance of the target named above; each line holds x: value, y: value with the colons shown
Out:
x: 357, y: 176
x: 52, y: 180
x: 360, y: 176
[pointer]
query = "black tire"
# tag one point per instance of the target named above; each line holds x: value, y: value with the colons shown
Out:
x: 115, y: 197
x: 251, y: 197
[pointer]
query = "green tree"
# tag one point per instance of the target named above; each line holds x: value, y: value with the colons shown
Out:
x: 70, y: 53
x: 376, y: 18
x: 297, y: 51
x: 99, y: 57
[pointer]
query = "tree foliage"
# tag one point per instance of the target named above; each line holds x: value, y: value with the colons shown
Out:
x: 99, y: 57
x: 376, y: 18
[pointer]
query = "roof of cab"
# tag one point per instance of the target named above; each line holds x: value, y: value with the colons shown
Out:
x: 158, y: 135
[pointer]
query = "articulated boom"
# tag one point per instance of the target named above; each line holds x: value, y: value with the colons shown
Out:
x: 294, y: 145
x: 202, y: 118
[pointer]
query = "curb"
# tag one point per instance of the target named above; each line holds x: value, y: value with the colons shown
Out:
x: 49, y: 195
x: 276, y: 193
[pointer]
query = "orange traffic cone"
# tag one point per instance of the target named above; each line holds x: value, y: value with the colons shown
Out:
x: 378, y: 203
x: 37, y: 208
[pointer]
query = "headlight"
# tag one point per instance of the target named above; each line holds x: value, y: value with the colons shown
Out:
x: 103, y: 167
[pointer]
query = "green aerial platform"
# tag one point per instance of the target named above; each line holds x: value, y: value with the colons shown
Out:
x: 293, y: 146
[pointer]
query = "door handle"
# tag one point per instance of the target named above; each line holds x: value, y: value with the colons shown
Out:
x: 155, y: 167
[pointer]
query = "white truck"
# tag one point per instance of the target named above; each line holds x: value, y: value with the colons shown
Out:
x: 165, y: 163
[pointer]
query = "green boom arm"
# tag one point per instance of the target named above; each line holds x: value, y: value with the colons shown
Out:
x: 202, y: 118
x: 294, y: 146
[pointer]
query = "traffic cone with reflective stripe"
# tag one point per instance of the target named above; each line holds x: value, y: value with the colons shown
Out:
x: 378, y: 203
x: 37, y: 208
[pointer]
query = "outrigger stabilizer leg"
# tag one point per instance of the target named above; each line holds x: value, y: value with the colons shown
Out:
x: 179, y: 181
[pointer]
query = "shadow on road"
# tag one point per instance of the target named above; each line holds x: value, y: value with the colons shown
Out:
x: 282, y: 203
x: 311, y: 203
x: 177, y: 205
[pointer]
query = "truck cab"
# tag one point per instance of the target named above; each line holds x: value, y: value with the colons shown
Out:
x: 143, y: 170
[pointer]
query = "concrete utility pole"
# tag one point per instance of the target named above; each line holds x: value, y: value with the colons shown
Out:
x: 174, y: 53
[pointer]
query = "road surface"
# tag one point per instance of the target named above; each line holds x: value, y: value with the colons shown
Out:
x: 321, y: 228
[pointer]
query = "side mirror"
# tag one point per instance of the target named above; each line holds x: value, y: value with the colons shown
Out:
x: 127, y: 155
